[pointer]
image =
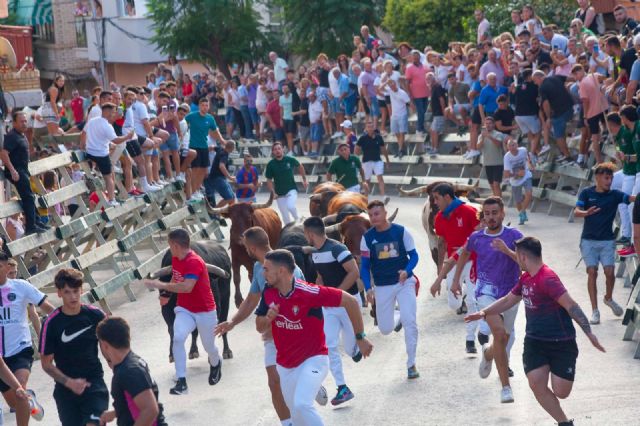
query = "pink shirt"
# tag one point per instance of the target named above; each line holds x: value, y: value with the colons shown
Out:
x: 590, y: 89
x: 416, y: 76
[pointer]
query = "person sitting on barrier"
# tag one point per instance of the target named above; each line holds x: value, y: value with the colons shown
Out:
x: 95, y: 140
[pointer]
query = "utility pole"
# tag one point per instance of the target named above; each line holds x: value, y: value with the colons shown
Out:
x: 99, y: 42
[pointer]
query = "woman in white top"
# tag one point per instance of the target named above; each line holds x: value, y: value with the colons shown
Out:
x: 15, y: 226
x: 534, y: 24
x: 380, y: 97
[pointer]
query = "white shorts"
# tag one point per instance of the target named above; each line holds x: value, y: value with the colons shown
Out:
x: 508, y: 316
x: 355, y: 188
x: 528, y: 123
x: 270, y: 353
x: 373, y: 168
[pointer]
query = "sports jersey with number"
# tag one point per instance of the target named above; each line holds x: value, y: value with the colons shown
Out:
x: 298, y: 330
x: 201, y: 297
x: 15, y: 296
x: 72, y: 341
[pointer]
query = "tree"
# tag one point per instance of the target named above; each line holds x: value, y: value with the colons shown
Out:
x: 214, y: 32
x: 327, y: 26
x: 558, y: 12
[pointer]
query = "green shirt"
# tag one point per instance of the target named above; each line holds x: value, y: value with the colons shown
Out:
x: 346, y: 171
x: 281, y: 172
x: 199, y: 127
x: 624, y: 142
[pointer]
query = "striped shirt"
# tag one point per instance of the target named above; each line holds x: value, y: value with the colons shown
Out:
x: 329, y: 261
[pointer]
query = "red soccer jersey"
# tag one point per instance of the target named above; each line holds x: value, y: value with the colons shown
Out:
x: 298, y: 330
x: 77, y: 106
x: 456, y: 229
x: 193, y: 267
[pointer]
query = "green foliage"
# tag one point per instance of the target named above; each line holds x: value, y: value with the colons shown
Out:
x: 327, y: 26
x: 558, y: 12
x: 214, y: 32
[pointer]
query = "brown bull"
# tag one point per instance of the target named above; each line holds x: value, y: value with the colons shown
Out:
x: 322, y: 195
x: 243, y: 216
x: 345, y: 199
x: 429, y: 211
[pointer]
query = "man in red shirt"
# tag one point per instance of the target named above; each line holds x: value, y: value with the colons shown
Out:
x: 274, y: 117
x: 77, y: 107
x: 196, y: 307
x: 293, y: 310
x: 453, y: 224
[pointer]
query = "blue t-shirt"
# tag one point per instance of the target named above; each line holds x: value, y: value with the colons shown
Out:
x: 476, y: 86
x: 635, y: 71
x: 343, y: 84
x: 286, y: 103
x: 199, y: 127
x: 598, y: 226
x: 258, y: 283
x: 489, y: 96
x: 388, y: 252
x: 246, y: 176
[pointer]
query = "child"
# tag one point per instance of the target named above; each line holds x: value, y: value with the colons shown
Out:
x: 349, y: 135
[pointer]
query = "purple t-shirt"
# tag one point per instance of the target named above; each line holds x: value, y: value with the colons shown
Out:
x: 546, y: 319
x: 252, y: 92
x: 367, y: 79
x: 496, y: 272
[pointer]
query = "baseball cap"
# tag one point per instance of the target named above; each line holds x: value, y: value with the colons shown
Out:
x: 347, y: 124
x: 341, y: 144
x: 415, y: 52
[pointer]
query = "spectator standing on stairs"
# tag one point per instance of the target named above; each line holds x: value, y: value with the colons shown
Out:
x: 491, y: 144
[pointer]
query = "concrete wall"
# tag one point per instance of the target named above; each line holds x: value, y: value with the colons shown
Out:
x: 126, y: 74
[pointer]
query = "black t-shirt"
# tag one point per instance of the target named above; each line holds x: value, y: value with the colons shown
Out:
x: 437, y: 93
x: 304, y: 118
x: 323, y: 77
x: 328, y: 261
x: 18, y: 147
x: 630, y: 27
x: 552, y: 89
x: 72, y: 341
x: 370, y: 147
x: 544, y: 58
x: 130, y: 378
x: 627, y: 59
x: 505, y: 116
x: 599, y: 226
x: 527, y: 99
x: 222, y: 157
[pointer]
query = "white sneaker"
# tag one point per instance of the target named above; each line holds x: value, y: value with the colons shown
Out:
x: 595, y: 317
x: 337, y: 135
x: 506, y: 395
x: 197, y: 196
x: 466, y: 155
x: 473, y: 153
x: 117, y: 170
x: 181, y: 177
x: 485, y: 365
x: 321, y: 397
x: 615, y: 308
x: 545, y: 149
x: 113, y: 203
x: 157, y: 187
x: 162, y: 182
x: 149, y: 188
x: 171, y: 179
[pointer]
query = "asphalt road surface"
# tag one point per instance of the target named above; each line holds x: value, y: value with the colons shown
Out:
x: 449, y: 391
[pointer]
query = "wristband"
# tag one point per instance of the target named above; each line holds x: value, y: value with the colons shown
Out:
x: 360, y: 336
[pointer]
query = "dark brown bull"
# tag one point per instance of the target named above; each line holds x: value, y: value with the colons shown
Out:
x: 243, y: 216
x: 429, y: 211
x: 322, y: 195
x: 347, y: 199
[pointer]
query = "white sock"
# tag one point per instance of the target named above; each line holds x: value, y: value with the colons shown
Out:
x: 143, y: 181
x: 580, y: 158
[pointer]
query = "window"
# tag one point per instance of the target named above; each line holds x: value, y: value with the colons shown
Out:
x: 81, y: 32
x: 127, y: 7
x: 45, y: 32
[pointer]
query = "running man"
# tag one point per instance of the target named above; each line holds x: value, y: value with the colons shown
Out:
x: 196, y: 307
x: 281, y: 183
x: 371, y: 146
x: 598, y: 205
x: 69, y: 354
x: 550, y: 347
x: 336, y: 268
x: 297, y: 326
x: 453, y: 225
x: 389, y: 254
x: 256, y: 241
x: 135, y: 393
x: 17, y: 349
x: 497, y: 273
x: 346, y: 168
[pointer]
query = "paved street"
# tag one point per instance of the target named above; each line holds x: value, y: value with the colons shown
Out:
x: 449, y: 391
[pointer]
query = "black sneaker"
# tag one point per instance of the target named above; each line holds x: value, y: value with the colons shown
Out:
x: 35, y: 230
x: 471, y: 347
x: 398, y: 327
x: 180, y: 388
x: 357, y: 357
x: 215, y: 373
x: 567, y: 423
x: 510, y: 372
x: 483, y: 339
x: 625, y: 241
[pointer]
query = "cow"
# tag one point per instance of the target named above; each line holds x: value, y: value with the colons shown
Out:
x: 292, y: 238
x: 243, y: 216
x: 322, y: 195
x: 219, y: 266
x: 429, y: 211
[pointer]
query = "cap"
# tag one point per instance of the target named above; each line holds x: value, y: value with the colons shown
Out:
x: 415, y: 52
x: 343, y: 144
x: 347, y: 124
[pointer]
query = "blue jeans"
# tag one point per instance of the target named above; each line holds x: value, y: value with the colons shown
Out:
x: 246, y: 116
x: 350, y: 103
x: 421, y: 109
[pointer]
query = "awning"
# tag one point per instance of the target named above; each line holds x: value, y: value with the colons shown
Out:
x: 32, y: 12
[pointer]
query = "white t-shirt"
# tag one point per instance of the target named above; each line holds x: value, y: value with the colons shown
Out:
x: 515, y: 164
x: 483, y: 29
x: 315, y: 111
x: 399, y: 101
x: 140, y: 115
x: 280, y: 69
x: 261, y: 100
x: 128, y: 121
x: 465, y: 73
x: 377, y: 82
x: 99, y: 134
x: 520, y: 27
x: 95, y: 112
x: 537, y: 26
x: 334, y: 86
x: 184, y: 128
x: 395, y: 76
x: 16, y: 296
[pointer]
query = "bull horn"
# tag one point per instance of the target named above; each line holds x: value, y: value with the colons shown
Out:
x: 333, y: 228
x: 330, y: 219
x: 465, y: 188
x: 257, y: 206
x: 216, y: 210
x: 393, y: 216
x: 316, y: 198
x: 216, y: 270
x: 415, y: 191
x: 167, y: 270
x: 386, y: 200
x: 309, y: 249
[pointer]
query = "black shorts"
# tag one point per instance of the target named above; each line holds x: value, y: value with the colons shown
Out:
x: 202, y: 159
x: 594, y: 123
x: 382, y: 103
x: 494, y: 173
x: 155, y: 130
x: 475, y: 116
x: 20, y: 361
x: 560, y: 356
x: 133, y: 148
x: 80, y: 410
x: 635, y: 218
x: 103, y: 163
x: 289, y: 126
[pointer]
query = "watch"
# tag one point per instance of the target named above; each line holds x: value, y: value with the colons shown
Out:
x: 360, y: 336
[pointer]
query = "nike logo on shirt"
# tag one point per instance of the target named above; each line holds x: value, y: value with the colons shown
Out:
x: 67, y: 338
